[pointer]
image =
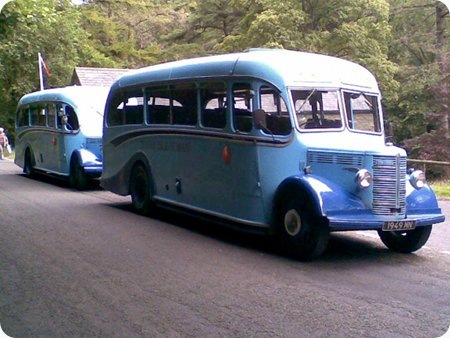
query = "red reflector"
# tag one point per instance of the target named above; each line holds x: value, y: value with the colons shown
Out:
x: 226, y: 155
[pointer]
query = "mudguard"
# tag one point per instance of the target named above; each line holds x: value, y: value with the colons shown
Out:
x: 91, y: 164
x: 119, y: 183
x: 88, y: 159
x: 346, y: 211
x: 325, y: 195
x: 420, y: 201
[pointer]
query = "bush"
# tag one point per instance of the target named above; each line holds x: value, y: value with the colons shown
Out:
x: 431, y: 146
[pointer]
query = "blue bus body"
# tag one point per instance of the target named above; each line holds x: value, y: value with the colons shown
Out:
x: 59, y: 132
x: 286, y: 141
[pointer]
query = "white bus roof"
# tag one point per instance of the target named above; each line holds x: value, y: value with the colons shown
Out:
x: 89, y: 103
x: 74, y: 95
x: 280, y: 67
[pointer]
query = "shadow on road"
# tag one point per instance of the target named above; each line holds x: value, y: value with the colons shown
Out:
x: 342, y: 248
x: 58, y: 181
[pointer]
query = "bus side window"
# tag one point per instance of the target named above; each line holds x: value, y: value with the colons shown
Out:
x: 213, y: 104
x: 38, y: 115
x: 184, y: 104
x: 115, y: 111
x: 23, y: 117
x: 242, y: 107
x: 277, y: 116
x: 158, y: 104
x: 175, y: 104
x: 133, y: 109
x: 51, y: 115
x: 126, y: 108
x: 59, y: 115
x: 72, y: 119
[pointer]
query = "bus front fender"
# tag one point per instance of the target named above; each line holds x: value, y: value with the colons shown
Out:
x: 421, y: 201
x: 88, y: 159
x: 324, y: 195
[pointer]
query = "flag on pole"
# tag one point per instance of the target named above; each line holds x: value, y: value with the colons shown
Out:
x: 43, y: 71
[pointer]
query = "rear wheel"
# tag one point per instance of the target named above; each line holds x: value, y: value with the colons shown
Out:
x: 141, y: 197
x: 406, y: 241
x: 28, y: 166
x: 77, y: 178
x: 301, y: 234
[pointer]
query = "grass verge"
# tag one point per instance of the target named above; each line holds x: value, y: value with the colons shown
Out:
x: 441, y: 188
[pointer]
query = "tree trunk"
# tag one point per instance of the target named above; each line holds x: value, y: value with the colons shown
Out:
x: 441, y: 57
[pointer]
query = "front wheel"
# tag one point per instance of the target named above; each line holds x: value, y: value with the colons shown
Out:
x: 301, y: 234
x: 141, y: 198
x: 406, y: 241
x: 77, y: 178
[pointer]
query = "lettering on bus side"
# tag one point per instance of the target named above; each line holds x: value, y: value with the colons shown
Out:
x: 179, y: 147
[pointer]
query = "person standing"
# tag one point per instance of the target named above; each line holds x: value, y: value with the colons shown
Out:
x: 3, y: 143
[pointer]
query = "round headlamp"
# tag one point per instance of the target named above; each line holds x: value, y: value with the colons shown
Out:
x: 363, y: 178
x: 417, y: 179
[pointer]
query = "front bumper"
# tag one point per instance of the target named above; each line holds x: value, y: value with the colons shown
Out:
x: 93, y: 170
x: 365, y: 220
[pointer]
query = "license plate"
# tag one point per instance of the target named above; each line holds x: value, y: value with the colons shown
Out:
x: 399, y: 225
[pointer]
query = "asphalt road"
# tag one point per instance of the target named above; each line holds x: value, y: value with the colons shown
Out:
x: 81, y: 264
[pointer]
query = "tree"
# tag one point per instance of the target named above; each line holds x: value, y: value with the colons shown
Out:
x: 28, y: 27
x: 357, y: 30
x: 134, y: 33
x: 442, y: 14
x: 421, y: 115
x: 399, y: 41
x: 209, y: 22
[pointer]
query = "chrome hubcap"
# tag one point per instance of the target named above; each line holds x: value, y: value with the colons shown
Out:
x: 292, y: 222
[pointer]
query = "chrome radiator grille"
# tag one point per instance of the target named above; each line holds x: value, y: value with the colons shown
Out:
x: 389, y: 185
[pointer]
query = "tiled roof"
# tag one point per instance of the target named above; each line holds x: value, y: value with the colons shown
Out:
x: 104, y: 77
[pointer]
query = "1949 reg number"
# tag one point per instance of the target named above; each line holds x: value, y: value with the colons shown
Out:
x: 399, y: 225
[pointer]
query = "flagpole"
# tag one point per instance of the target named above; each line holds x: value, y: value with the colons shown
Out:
x: 41, y: 78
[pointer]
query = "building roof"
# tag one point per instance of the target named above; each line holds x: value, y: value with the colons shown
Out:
x: 102, y: 77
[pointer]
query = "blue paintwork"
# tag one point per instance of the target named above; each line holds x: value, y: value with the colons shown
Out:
x: 91, y: 160
x: 53, y: 148
x: 187, y: 167
x: 345, y: 211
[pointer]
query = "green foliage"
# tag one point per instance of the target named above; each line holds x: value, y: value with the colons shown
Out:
x: 27, y: 28
x: 413, y: 50
x: 395, y: 39
x: 418, y: 116
x: 441, y: 189
x: 133, y: 33
x: 357, y: 30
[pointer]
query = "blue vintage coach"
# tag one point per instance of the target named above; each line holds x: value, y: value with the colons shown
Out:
x: 59, y: 132
x: 287, y: 142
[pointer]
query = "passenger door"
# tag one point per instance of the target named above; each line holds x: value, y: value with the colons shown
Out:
x: 59, y: 141
x: 40, y: 137
x: 246, y: 196
x: 51, y: 140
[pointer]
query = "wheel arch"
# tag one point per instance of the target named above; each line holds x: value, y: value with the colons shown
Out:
x: 29, y: 150
x: 75, y: 159
x: 77, y: 174
x: 309, y: 237
x: 28, y: 153
x: 297, y: 186
x: 138, y: 159
x: 84, y: 157
x: 326, y: 196
x: 75, y: 155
